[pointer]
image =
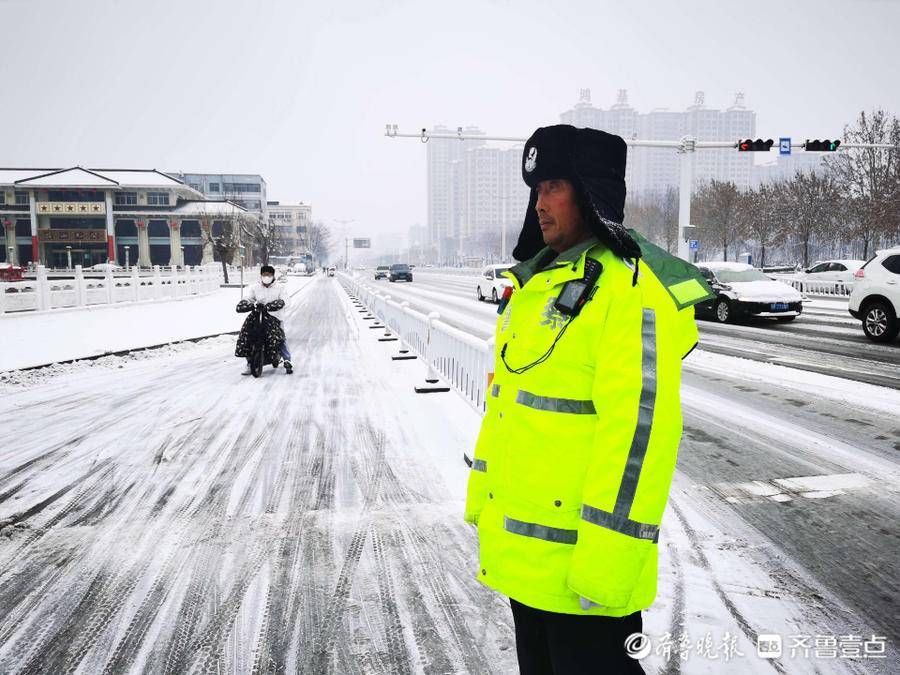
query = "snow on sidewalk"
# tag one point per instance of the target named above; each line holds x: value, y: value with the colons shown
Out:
x: 36, y: 339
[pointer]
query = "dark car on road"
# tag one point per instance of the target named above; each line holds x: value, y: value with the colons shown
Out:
x: 743, y: 292
x: 400, y: 271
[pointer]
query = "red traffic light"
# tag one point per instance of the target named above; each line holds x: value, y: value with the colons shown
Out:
x: 759, y: 145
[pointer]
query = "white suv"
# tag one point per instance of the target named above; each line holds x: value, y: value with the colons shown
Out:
x: 875, y: 299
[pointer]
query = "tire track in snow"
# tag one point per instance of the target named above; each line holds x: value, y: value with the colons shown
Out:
x: 398, y: 657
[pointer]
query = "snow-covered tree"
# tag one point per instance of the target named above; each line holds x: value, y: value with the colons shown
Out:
x: 764, y: 218
x: 319, y: 241
x: 870, y: 177
x: 812, y: 206
x: 714, y: 208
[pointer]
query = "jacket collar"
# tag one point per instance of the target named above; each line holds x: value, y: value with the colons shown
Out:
x: 562, y: 267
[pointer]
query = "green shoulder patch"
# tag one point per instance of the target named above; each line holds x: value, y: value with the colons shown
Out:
x: 680, y: 278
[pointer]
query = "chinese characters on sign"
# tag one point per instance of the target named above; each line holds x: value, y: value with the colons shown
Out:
x: 768, y: 646
x: 80, y: 236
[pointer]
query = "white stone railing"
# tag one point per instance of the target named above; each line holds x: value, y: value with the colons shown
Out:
x: 41, y: 293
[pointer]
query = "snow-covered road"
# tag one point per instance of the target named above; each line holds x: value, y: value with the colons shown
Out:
x: 163, y: 514
x: 170, y: 515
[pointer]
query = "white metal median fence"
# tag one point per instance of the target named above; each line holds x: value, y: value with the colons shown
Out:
x: 105, y: 288
x: 817, y: 287
x: 463, y: 360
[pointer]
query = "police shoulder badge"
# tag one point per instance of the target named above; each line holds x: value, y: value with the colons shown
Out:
x: 531, y: 160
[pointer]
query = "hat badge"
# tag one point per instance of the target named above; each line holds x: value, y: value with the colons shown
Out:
x: 531, y: 160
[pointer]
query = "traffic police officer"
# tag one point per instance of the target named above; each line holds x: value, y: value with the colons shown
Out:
x: 575, y: 456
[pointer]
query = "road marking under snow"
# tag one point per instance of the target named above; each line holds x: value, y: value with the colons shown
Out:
x: 788, y: 489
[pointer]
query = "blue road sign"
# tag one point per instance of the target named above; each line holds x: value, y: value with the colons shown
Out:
x: 784, y: 146
x: 694, y: 244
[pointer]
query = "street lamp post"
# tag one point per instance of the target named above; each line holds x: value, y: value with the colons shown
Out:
x: 182, y: 257
x: 69, y: 257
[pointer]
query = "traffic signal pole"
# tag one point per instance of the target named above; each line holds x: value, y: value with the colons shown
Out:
x: 687, y: 146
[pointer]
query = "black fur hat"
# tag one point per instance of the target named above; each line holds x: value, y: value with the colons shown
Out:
x: 594, y: 162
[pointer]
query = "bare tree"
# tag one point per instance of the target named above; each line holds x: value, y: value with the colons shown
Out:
x: 263, y: 235
x: 870, y: 177
x: 319, y: 241
x: 812, y: 206
x: 222, y: 230
x: 763, y: 218
x: 715, y: 210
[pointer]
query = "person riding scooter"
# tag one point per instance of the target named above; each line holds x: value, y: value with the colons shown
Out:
x: 270, y: 295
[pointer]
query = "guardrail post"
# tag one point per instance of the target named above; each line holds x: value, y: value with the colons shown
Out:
x: 403, y: 353
x: 387, y: 325
x: 43, y: 288
x: 157, y: 283
x: 431, y: 377
x: 79, y: 286
x: 135, y: 284
x: 110, y: 287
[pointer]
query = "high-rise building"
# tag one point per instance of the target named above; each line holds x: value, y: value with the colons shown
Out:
x: 441, y: 155
x: 475, y: 191
x: 655, y: 169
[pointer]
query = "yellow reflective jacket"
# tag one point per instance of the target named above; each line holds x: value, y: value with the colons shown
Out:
x: 573, y: 463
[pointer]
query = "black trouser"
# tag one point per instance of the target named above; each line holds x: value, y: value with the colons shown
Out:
x: 567, y: 644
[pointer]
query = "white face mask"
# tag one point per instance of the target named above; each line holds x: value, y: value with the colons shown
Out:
x: 268, y: 280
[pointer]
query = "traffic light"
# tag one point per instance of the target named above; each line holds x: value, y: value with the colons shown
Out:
x: 759, y: 145
x: 821, y: 146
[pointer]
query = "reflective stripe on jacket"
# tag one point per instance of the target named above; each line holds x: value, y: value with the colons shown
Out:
x: 573, y: 463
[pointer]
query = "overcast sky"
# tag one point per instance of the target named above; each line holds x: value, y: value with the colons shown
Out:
x: 300, y: 92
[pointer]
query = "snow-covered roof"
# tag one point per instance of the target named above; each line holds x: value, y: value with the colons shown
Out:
x: 79, y: 177
x: 10, y: 176
x: 189, y: 207
x: 210, y: 208
x: 140, y: 178
x: 721, y: 265
x: 67, y: 178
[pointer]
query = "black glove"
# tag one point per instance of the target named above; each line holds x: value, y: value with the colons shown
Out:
x: 244, y: 306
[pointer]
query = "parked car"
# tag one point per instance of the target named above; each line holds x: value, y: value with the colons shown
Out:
x: 382, y: 272
x: 400, y: 271
x: 831, y: 270
x: 742, y: 291
x: 875, y: 299
x: 491, y: 284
